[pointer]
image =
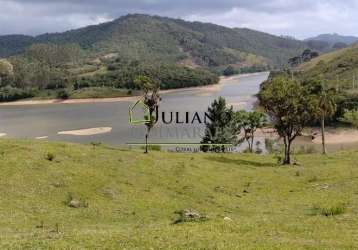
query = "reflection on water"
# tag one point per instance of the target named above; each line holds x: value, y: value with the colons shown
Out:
x: 45, y: 121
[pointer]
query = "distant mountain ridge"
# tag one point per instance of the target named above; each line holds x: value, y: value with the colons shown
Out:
x: 333, y: 41
x: 170, y: 40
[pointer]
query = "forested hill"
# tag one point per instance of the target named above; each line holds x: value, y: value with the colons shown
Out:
x: 337, y: 67
x: 169, y: 40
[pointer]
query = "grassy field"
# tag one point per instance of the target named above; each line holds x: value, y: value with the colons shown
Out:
x: 128, y: 200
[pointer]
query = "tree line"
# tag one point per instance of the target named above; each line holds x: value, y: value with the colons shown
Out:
x: 50, y: 67
x: 289, y: 106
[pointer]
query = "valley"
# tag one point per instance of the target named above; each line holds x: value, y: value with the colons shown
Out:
x: 192, y: 125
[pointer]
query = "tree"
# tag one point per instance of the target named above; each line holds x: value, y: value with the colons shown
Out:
x: 288, y: 104
x: 54, y: 55
x: 325, y: 108
x: 151, y: 99
x: 52, y: 62
x: 324, y: 103
x: 220, y: 130
x: 6, y: 71
x: 249, y: 122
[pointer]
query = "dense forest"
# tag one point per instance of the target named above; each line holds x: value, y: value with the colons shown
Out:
x: 173, y: 52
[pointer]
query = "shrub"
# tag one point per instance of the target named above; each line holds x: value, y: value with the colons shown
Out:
x: 50, y: 156
x: 63, y: 94
x: 8, y: 94
x: 229, y: 71
x: 329, y: 211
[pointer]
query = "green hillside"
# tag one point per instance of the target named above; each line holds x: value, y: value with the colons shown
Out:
x: 67, y: 196
x: 171, y: 40
x: 338, y: 68
x: 172, y: 52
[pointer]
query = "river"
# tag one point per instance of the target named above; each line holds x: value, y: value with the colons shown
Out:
x: 46, y: 121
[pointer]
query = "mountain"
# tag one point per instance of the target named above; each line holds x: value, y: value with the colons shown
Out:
x: 14, y: 44
x: 169, y: 40
x: 332, y: 41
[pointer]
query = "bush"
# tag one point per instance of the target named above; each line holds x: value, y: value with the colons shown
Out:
x: 50, y: 156
x: 8, y: 94
x: 63, y: 94
x: 229, y: 71
x: 329, y: 210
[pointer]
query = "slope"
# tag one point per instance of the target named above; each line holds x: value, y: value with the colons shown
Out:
x: 169, y: 40
x: 128, y: 199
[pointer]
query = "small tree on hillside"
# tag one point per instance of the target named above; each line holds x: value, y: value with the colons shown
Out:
x: 151, y: 100
x: 325, y: 108
x: 220, y: 129
x: 289, y: 106
x: 324, y: 103
x: 250, y: 122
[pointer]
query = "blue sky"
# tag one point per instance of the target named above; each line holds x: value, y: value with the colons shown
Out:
x: 298, y: 18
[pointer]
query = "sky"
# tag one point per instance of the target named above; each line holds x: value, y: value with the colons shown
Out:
x: 297, y: 18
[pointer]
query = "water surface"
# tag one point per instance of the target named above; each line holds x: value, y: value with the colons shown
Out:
x: 34, y: 121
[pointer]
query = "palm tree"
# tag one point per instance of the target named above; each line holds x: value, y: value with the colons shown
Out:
x: 151, y: 99
x: 326, y: 108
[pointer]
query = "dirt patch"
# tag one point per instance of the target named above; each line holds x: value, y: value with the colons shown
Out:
x: 338, y: 137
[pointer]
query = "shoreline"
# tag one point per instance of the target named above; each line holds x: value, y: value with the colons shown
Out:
x: 208, y: 89
x: 333, y: 136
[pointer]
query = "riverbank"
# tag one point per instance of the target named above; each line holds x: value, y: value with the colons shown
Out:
x: 337, y: 136
x: 204, y: 91
x: 337, y: 139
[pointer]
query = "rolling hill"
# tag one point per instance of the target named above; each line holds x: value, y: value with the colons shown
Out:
x: 69, y: 196
x: 169, y: 40
x: 338, y: 68
x: 330, y: 42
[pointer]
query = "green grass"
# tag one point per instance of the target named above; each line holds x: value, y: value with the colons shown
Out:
x: 129, y: 200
